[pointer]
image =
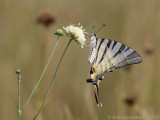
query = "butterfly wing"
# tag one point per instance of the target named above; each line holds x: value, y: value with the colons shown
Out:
x: 113, y: 55
x: 93, y: 50
x: 107, y: 56
x: 127, y: 57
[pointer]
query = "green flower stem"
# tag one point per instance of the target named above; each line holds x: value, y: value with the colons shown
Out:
x: 19, y: 97
x: 41, y: 75
x: 52, y: 79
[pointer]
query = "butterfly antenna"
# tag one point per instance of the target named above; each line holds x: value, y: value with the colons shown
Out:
x: 100, y: 28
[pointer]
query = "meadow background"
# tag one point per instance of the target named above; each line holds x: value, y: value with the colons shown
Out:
x: 25, y: 44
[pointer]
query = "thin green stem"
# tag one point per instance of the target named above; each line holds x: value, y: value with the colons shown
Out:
x: 19, y: 97
x: 52, y: 79
x: 41, y: 75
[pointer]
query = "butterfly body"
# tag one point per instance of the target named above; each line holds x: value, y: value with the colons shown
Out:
x: 106, y: 56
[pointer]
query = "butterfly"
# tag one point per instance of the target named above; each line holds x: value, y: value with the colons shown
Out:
x: 106, y: 56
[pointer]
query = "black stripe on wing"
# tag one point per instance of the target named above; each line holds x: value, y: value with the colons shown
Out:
x: 132, y: 58
x: 99, y: 48
x: 120, y: 50
x: 127, y: 49
x: 109, y: 43
x: 105, y: 51
x: 115, y: 42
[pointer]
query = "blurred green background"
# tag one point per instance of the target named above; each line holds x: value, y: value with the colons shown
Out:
x: 25, y: 44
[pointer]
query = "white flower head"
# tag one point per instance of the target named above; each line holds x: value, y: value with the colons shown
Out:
x: 77, y: 33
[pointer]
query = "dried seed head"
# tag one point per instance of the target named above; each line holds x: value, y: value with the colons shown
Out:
x: 129, y: 99
x: 45, y: 18
x: 148, y: 49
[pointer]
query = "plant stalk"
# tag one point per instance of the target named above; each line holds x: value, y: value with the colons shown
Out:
x: 26, y: 104
x: 19, y: 97
x: 52, y: 80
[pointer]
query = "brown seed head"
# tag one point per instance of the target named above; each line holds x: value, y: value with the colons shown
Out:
x: 129, y: 99
x: 45, y: 18
x: 148, y: 49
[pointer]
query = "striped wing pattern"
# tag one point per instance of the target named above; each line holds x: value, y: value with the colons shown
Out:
x: 106, y: 56
x: 109, y: 55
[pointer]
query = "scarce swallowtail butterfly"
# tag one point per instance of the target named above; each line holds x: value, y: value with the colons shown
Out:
x: 106, y: 56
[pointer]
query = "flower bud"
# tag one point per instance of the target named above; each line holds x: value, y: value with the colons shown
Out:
x: 18, y: 71
x: 59, y: 32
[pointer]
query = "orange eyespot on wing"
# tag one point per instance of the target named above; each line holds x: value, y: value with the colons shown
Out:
x: 95, y: 69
